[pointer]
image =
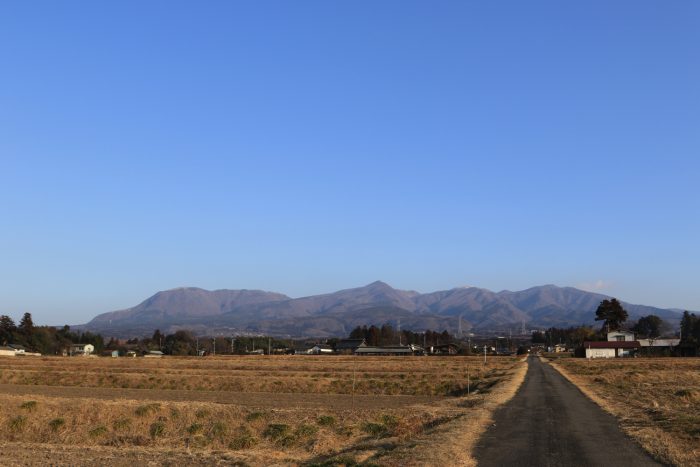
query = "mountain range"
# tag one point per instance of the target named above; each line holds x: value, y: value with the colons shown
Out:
x: 472, y: 309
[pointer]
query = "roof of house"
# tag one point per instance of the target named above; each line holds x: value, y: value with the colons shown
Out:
x: 611, y: 345
x: 323, y: 346
x: 659, y: 342
x: 349, y: 344
x: 388, y: 349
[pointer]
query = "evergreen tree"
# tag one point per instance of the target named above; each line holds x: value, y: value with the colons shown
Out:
x: 7, y: 327
x: 649, y: 326
x: 26, y: 325
x: 612, y: 314
x: 688, y: 325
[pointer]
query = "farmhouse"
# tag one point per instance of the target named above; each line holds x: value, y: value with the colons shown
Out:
x: 320, y: 349
x: 443, y: 349
x: 82, y: 349
x: 6, y: 351
x: 19, y: 349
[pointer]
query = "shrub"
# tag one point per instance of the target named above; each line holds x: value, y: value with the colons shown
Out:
x: 97, y: 431
x: 219, y: 430
x: 18, y: 423
x: 389, y: 421
x: 305, y: 431
x: 56, y: 424
x: 244, y: 439
x: 254, y: 416
x: 147, y: 409
x: 326, y: 420
x: 276, y: 431
x: 28, y: 405
x: 157, y: 429
x: 194, y: 428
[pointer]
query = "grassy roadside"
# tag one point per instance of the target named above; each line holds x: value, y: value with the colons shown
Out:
x: 657, y: 401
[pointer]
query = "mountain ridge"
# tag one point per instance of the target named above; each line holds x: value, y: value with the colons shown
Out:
x: 336, y: 313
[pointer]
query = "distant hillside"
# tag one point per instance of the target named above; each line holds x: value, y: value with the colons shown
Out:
x: 336, y: 314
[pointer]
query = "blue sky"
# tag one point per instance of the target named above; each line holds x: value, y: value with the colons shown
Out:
x: 304, y: 147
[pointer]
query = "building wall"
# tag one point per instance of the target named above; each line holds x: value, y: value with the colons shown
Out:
x: 620, y: 336
x: 7, y: 353
x: 600, y: 353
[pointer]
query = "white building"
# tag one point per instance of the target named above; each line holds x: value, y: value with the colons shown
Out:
x: 611, y: 349
x: 82, y: 349
x: 621, y: 336
x: 320, y: 349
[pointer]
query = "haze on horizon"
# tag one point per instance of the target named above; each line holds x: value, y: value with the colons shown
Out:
x: 308, y: 147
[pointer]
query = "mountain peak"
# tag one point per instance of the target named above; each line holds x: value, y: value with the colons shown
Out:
x: 378, y: 285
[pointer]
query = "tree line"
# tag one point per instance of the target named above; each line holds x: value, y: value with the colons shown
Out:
x: 47, y: 340
x: 387, y: 335
x: 184, y: 343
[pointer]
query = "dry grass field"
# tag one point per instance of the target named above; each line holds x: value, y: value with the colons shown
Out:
x: 656, y: 400
x: 281, y: 410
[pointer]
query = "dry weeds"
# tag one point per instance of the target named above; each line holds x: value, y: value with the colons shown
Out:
x: 291, y: 374
x: 440, y: 432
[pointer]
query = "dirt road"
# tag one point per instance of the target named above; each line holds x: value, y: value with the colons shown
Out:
x: 550, y: 422
x: 249, y: 399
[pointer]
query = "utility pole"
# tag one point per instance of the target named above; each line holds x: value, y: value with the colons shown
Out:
x: 484, y: 355
x: 232, y: 339
x: 468, y: 381
x: 197, y: 345
x: 213, y: 352
x: 354, y: 369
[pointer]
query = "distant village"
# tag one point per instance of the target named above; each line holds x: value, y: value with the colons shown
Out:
x: 646, y: 337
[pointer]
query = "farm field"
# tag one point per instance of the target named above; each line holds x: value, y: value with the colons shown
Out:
x: 657, y: 400
x: 280, y: 410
